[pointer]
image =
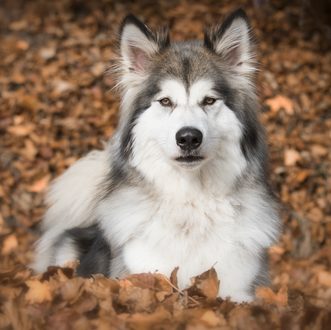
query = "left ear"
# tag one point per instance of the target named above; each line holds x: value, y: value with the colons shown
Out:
x: 232, y: 41
x: 138, y: 44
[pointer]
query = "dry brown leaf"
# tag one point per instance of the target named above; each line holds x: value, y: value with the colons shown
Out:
x: 47, y: 53
x: 72, y: 289
x: 281, y: 102
x: 22, y: 45
x: 61, y: 86
x: 206, y: 285
x: 29, y: 102
x: 319, y: 150
x: 291, y: 157
x: 18, y: 25
x: 21, y: 130
x: 40, y: 185
x: 211, y: 319
x: 280, y: 298
x: 302, y: 175
x: 9, y: 244
x: 324, y: 278
x: 30, y: 151
x: 136, y: 299
x: 38, y: 292
x: 276, y: 249
x: 173, y: 277
x: 146, y: 321
x: 316, y: 215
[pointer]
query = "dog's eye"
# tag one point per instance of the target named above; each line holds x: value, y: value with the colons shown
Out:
x: 208, y: 101
x: 166, y: 102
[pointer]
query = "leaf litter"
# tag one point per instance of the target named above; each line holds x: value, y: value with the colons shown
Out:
x: 56, y: 105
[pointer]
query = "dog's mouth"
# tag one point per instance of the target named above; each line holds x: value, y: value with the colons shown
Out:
x: 189, y: 159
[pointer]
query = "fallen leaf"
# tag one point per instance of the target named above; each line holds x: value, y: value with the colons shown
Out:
x: 206, y: 285
x: 302, y: 175
x: 21, y: 130
x: 18, y: 25
x: 72, y: 289
x: 136, y: 299
x: 61, y: 86
x: 22, y: 45
x: 319, y: 150
x: 316, y: 215
x: 324, y: 278
x: 210, y: 318
x: 173, y: 277
x: 30, y: 151
x: 98, y: 69
x: 280, y: 102
x: 291, y: 157
x: 9, y: 244
x: 29, y: 102
x: 276, y: 249
x: 47, y: 53
x: 40, y: 185
x: 38, y: 292
x: 280, y: 298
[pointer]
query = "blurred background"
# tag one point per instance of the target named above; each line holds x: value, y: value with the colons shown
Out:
x: 56, y: 104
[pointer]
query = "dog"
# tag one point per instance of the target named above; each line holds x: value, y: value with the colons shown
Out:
x: 183, y: 182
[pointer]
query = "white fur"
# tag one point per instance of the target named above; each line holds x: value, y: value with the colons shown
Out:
x: 194, y: 232
x: 136, y: 50
x: 235, y: 47
x: 65, y: 253
x: 71, y: 200
x: 193, y: 219
x: 155, y: 147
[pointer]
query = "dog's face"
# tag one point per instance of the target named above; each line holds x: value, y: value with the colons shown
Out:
x: 186, y: 104
x: 185, y: 126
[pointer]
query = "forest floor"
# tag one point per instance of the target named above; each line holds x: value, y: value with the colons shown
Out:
x: 57, y: 104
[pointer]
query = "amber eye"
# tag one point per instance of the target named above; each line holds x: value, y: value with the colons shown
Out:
x: 208, y: 101
x: 165, y: 102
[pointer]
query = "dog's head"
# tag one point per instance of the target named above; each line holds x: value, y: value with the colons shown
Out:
x: 186, y: 104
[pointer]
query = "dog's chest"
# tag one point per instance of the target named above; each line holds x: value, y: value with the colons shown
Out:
x: 159, y: 235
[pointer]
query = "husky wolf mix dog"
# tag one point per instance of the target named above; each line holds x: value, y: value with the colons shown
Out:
x: 183, y: 181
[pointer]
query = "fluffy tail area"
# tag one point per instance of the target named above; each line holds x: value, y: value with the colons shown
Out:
x: 71, y: 201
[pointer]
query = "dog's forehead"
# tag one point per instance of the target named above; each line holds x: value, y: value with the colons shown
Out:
x: 180, y: 93
x: 186, y: 71
x: 187, y: 61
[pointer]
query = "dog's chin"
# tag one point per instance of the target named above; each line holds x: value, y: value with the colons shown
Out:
x: 189, y: 161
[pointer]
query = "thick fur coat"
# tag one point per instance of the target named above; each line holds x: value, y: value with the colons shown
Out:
x: 183, y: 181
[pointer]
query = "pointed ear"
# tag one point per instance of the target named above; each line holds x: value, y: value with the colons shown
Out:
x: 138, y: 44
x: 232, y: 41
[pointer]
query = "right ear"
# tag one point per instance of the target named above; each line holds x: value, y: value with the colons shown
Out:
x: 138, y: 44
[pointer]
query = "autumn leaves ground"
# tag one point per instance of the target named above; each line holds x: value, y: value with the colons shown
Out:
x: 56, y: 105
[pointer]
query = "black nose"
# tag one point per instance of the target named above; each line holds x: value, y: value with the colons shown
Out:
x: 188, y: 138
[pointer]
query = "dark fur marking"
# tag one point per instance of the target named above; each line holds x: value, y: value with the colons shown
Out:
x: 224, y: 91
x: 94, y: 251
x: 186, y: 71
x: 131, y: 19
x: 141, y: 104
x: 262, y: 278
x: 211, y: 37
x: 161, y: 38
